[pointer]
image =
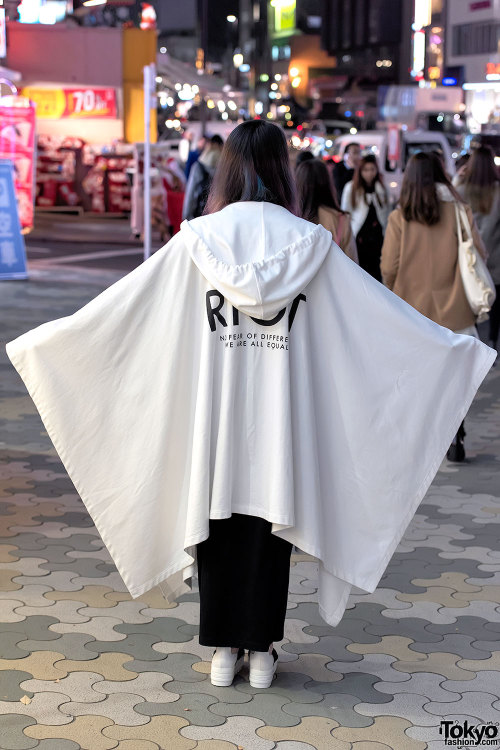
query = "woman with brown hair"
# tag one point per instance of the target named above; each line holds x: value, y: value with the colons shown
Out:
x: 420, y: 252
x: 318, y: 203
x: 365, y: 198
x: 480, y: 187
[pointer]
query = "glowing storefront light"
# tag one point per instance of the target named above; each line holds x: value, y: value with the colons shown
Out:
x: 418, y: 54
x: 423, y: 14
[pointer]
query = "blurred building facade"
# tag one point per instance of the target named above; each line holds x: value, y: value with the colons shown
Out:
x: 473, y: 56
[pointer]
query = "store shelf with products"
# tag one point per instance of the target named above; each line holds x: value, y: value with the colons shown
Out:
x: 72, y: 174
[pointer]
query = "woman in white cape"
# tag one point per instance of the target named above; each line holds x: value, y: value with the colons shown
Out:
x: 246, y: 389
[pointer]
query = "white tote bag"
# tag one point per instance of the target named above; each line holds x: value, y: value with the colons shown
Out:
x: 478, y: 284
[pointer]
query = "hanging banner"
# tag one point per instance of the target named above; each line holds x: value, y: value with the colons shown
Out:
x: 12, y: 250
x: 17, y: 144
x: 56, y: 104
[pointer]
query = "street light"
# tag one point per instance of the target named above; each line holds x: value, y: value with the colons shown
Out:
x: 237, y: 59
x: 232, y: 19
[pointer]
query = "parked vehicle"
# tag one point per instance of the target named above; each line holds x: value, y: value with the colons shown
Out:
x: 410, y: 142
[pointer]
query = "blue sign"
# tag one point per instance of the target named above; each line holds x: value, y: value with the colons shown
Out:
x: 449, y: 81
x: 12, y: 250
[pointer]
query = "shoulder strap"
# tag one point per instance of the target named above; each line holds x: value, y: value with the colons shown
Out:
x: 463, y: 228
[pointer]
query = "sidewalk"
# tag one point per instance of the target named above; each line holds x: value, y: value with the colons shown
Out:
x: 86, y: 666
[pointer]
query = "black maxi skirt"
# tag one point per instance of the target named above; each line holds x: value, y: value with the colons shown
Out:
x: 243, y: 573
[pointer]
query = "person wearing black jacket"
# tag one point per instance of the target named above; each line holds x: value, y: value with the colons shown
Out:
x: 344, y: 171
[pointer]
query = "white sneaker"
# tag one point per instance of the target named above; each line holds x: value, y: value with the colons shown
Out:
x: 225, y: 665
x: 262, y: 668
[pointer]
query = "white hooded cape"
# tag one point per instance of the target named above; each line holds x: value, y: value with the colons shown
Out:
x: 328, y: 415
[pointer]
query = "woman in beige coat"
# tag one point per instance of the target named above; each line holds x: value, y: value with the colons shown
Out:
x: 420, y: 252
x: 318, y: 203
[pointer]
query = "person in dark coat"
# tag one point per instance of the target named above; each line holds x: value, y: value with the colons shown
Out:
x: 343, y: 172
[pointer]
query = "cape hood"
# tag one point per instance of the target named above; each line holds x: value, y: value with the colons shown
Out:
x: 260, y: 256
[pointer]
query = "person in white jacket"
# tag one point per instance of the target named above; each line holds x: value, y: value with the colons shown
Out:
x: 220, y: 404
x: 365, y: 198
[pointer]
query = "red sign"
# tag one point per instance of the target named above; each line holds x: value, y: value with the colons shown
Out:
x: 54, y: 104
x: 393, y: 143
x: 90, y: 103
x: 17, y: 144
x: 481, y: 5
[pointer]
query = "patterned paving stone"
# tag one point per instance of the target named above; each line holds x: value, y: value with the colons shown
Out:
x: 430, y: 686
x: 12, y: 735
x: 330, y: 645
x: 73, y: 646
x: 404, y: 704
x: 484, y: 682
x: 478, y: 704
x: 10, y: 689
x: 178, y: 665
x: 242, y: 730
x: 389, y: 644
x: 337, y: 706
x: 123, y: 708
x: 441, y: 663
x: 78, y: 686
x: 388, y: 730
x: 311, y: 665
x: 414, y: 628
x: 319, y: 732
x: 266, y: 707
x: 290, y: 685
x: 379, y: 665
x: 44, y: 707
x: 86, y: 731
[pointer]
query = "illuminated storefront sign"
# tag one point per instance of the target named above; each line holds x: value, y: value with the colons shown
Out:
x: 55, y: 104
x: 418, y: 55
x: 423, y: 14
x: 42, y: 11
x: 284, y: 15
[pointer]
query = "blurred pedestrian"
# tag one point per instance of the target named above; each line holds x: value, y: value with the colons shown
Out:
x: 318, y: 203
x: 480, y: 187
x: 200, y: 178
x: 303, y: 156
x: 420, y: 253
x: 343, y: 172
x: 366, y: 199
x: 174, y: 182
x: 460, y: 167
x: 195, y: 154
x: 185, y: 147
x: 219, y: 404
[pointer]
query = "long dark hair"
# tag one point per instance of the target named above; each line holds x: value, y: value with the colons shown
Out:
x: 315, y: 189
x: 419, y: 199
x: 479, y: 179
x: 359, y: 185
x: 254, y: 166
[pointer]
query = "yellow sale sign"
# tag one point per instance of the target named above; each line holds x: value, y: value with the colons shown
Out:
x: 54, y: 104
